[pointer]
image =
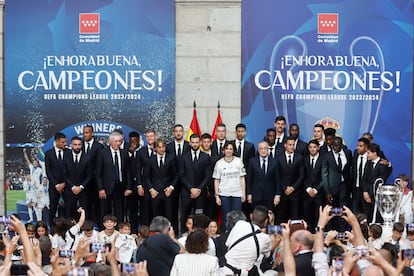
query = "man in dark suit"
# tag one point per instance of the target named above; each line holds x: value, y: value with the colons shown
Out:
x: 313, y: 189
x: 55, y: 171
x: 280, y: 128
x: 336, y: 174
x: 210, y: 207
x: 270, y: 138
x: 262, y: 179
x: 144, y: 155
x: 244, y: 149
x: 195, y: 175
x: 359, y: 169
x: 291, y: 181
x: 375, y: 170
x: 77, y: 178
x: 177, y: 148
x: 218, y: 143
x: 132, y: 199
x: 301, y: 147
x: 90, y: 146
x: 112, y: 176
x: 161, y: 181
x: 336, y: 179
x: 301, y: 243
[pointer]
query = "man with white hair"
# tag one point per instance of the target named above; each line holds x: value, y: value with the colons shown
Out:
x: 111, y: 176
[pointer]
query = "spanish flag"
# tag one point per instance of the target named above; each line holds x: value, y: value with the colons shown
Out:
x: 194, y: 126
x: 218, y: 121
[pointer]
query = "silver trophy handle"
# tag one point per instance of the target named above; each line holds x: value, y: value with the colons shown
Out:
x: 378, y: 182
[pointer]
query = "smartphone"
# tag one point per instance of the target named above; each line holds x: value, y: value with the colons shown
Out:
x: 79, y: 271
x: 108, y: 245
x: 4, y: 220
x: 341, y: 236
x: 128, y: 268
x: 336, y: 212
x: 19, y: 269
x: 65, y: 253
x: 361, y: 252
x: 407, y: 253
x: 274, y: 229
x: 337, y: 263
x: 296, y: 224
x: 97, y: 247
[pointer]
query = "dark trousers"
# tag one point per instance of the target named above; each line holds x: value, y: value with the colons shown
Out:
x: 162, y: 206
x: 357, y: 200
x: 311, y: 209
x: 71, y: 203
x: 132, y: 211
x: 115, y: 202
x: 187, y: 204
x: 288, y: 207
x: 54, y: 196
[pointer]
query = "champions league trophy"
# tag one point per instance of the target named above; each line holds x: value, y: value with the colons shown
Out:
x: 387, y: 201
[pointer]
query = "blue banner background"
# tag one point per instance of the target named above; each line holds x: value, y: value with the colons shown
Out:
x: 383, y: 30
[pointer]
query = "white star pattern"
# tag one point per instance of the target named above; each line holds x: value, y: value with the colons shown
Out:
x: 328, y: 23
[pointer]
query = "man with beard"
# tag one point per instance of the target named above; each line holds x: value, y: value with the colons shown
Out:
x: 77, y: 178
x: 194, y: 175
x: 301, y: 147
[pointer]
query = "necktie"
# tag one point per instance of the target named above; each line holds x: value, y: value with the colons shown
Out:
x: 290, y: 159
x: 195, y: 156
x: 313, y: 163
x: 88, y: 148
x: 60, y: 155
x: 339, y: 161
x: 116, y: 158
x: 221, y: 148
x: 179, y: 150
x: 239, y: 149
x: 152, y: 152
x: 76, y: 159
x: 264, y: 166
x: 271, y: 152
x: 278, y: 142
x: 161, y: 163
x: 360, y: 171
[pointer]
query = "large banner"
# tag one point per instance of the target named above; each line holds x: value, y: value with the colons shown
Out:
x: 109, y: 63
x: 347, y: 64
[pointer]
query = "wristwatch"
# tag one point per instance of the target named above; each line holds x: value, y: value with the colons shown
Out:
x: 318, y: 228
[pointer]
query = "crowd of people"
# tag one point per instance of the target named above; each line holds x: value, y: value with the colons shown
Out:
x: 267, y: 203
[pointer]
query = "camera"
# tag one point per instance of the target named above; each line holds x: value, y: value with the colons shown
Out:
x: 99, y: 247
x: 128, y: 268
x: 79, y: 271
x: 336, y: 212
x: 65, y: 253
x: 337, y: 263
x: 407, y: 253
x: 274, y: 229
x: 341, y: 236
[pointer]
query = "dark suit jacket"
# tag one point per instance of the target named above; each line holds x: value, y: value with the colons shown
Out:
x: 354, y: 170
x: 194, y: 174
x: 291, y: 177
x: 106, y: 172
x: 160, y: 178
x: 372, y: 174
x: 171, y: 148
x: 55, y: 169
x: 331, y: 174
x: 248, y: 152
x: 313, y: 176
x: 142, y: 164
x: 262, y: 187
x: 214, y: 149
x: 301, y: 148
x: 77, y: 174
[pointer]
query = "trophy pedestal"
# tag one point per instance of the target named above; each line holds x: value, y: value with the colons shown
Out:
x: 386, y: 232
